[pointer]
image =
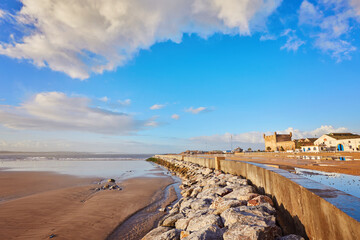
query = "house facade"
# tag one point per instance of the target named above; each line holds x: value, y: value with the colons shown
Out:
x: 341, y: 142
x: 279, y: 142
x: 313, y: 149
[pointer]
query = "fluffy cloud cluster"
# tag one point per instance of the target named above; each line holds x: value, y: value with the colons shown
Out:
x: 79, y: 37
x: 257, y: 137
x: 57, y: 111
x: 330, y: 24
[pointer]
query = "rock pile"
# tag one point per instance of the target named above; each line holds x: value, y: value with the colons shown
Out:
x: 109, y: 185
x: 216, y: 206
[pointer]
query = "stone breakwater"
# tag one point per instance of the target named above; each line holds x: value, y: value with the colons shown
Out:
x: 216, y: 206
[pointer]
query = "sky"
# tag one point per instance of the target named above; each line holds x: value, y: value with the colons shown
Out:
x: 140, y: 76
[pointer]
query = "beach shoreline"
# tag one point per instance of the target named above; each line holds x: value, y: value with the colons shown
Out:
x: 39, y: 205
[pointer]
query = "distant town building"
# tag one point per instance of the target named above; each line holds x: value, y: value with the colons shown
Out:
x: 313, y: 149
x: 238, y: 150
x: 347, y: 142
x: 279, y: 142
x: 299, y: 143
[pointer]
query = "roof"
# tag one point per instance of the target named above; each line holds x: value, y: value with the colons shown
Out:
x: 339, y: 136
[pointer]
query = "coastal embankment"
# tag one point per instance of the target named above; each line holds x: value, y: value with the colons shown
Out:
x: 303, y: 207
x: 43, y: 205
x: 216, y: 205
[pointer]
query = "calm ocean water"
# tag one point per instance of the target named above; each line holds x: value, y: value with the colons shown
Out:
x: 119, y: 166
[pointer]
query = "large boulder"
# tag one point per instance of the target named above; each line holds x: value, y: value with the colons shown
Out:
x: 247, y: 217
x: 196, y: 191
x: 223, y: 191
x: 246, y: 197
x: 182, y: 223
x: 222, y: 204
x: 201, y: 204
x: 162, y: 233
x: 210, y: 232
x: 171, y: 220
x: 259, y: 200
x: 239, y: 231
x: 200, y: 222
x: 241, y: 191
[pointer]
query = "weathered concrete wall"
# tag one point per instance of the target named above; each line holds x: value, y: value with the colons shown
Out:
x: 306, y: 207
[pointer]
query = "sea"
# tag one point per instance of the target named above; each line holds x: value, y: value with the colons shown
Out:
x: 104, y: 165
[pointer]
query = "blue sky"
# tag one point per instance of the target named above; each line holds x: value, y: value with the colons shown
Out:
x: 126, y: 77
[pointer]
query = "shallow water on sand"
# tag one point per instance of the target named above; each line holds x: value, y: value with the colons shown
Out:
x: 107, y: 166
x: 343, y: 182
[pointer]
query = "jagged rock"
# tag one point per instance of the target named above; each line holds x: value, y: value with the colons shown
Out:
x: 221, y: 204
x: 259, y: 200
x: 238, y: 193
x: 187, y: 192
x: 201, y: 204
x: 264, y: 208
x: 223, y: 191
x: 247, y: 196
x: 195, y: 192
x: 247, y: 217
x: 207, y: 171
x: 210, y: 232
x: 171, y: 220
x: 198, y: 223
x: 182, y: 223
x: 111, y: 180
x: 291, y: 237
x: 162, y: 233
x: 208, y: 193
x: 174, y: 210
x: 251, y: 232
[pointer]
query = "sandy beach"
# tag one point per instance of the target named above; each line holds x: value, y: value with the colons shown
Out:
x: 37, y: 205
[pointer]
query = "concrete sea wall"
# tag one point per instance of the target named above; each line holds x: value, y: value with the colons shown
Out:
x: 305, y: 207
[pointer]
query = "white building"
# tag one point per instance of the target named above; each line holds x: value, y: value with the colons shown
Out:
x: 312, y: 148
x: 340, y: 142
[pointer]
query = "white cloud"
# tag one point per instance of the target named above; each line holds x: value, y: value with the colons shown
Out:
x: 57, y: 111
x: 2, y: 14
x: 293, y: 42
x: 104, y: 99
x: 125, y: 102
x: 256, y: 138
x: 197, y: 110
x: 267, y: 37
x: 330, y: 25
x: 175, y: 116
x: 356, y: 5
x: 157, y: 106
x: 318, y: 132
x: 80, y: 37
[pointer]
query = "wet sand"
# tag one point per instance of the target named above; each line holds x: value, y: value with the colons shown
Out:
x: 36, y: 205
